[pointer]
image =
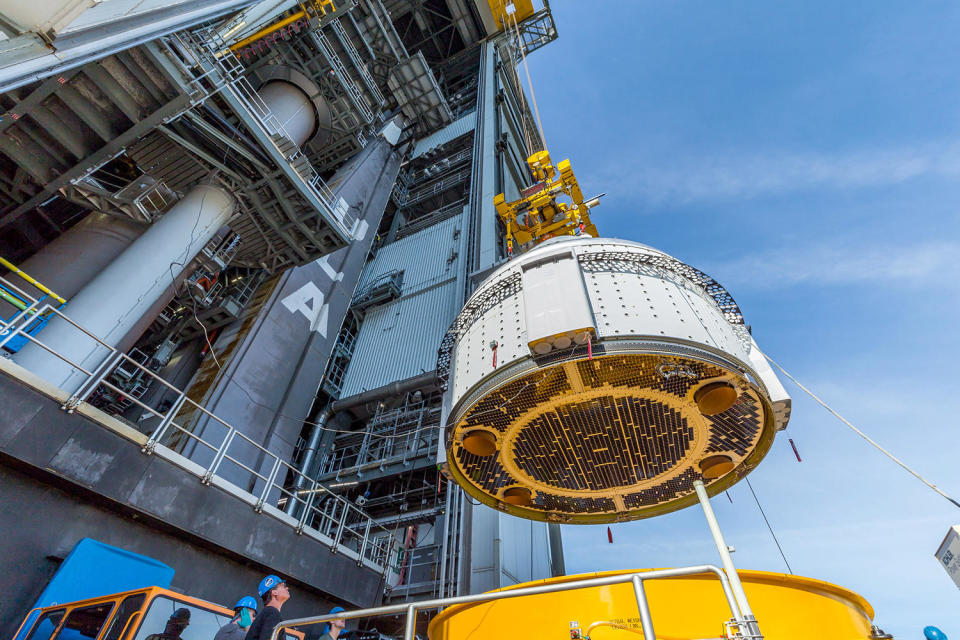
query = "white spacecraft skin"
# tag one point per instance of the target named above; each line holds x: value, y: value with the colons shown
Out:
x: 593, y: 380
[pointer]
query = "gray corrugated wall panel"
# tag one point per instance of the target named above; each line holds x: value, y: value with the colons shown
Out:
x: 400, y: 340
x: 424, y: 257
x: 455, y: 129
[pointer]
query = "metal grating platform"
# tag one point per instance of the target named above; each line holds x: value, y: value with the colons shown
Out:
x: 612, y: 437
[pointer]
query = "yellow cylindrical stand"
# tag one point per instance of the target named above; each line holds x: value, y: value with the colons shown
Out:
x: 683, y: 608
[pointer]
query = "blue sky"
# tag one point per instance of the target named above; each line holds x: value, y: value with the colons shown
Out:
x: 807, y: 155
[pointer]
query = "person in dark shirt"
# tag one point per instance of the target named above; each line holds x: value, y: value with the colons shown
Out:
x: 274, y: 592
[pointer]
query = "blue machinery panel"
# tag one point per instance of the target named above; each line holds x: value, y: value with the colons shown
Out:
x: 95, y: 569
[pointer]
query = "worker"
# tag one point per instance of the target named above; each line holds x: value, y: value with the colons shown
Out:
x: 332, y: 629
x: 274, y: 592
x: 244, y: 613
x: 176, y: 623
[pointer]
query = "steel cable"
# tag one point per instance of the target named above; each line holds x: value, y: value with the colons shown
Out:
x: 860, y: 433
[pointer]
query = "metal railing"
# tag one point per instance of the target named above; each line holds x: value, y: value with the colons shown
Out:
x: 340, y: 70
x: 384, y: 287
x: 226, y: 458
x: 222, y: 248
x: 354, y: 56
x: 211, y: 53
x: 411, y: 196
x: 392, y: 436
x: 736, y: 627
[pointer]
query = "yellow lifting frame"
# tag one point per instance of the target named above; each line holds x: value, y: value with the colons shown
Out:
x: 543, y: 212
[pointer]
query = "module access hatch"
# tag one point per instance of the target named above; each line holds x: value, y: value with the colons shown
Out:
x: 593, y: 380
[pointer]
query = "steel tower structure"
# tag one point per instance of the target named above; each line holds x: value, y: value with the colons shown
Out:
x: 237, y: 232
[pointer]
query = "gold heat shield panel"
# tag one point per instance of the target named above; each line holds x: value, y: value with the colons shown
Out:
x: 613, y: 438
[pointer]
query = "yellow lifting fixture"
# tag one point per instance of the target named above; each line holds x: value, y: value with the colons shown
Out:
x: 553, y: 206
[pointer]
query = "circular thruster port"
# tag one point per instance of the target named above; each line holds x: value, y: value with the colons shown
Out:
x: 715, y: 397
x: 480, y: 443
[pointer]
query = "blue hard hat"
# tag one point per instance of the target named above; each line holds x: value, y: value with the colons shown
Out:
x: 932, y: 633
x: 248, y: 602
x: 268, y: 583
x: 326, y: 625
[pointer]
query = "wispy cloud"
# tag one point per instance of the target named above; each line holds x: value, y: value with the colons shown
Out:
x: 837, y: 264
x: 753, y: 175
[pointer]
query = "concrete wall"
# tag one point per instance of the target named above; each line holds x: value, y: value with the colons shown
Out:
x: 51, y: 520
x: 65, y: 476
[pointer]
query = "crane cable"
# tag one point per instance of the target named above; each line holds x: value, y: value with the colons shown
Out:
x: 526, y: 68
x: 524, y: 120
x: 769, y: 526
x: 861, y: 433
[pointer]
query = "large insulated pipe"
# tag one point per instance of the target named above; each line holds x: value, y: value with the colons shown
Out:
x: 425, y: 381
x: 313, y: 443
x: 117, y: 298
x: 292, y: 108
x: 84, y: 250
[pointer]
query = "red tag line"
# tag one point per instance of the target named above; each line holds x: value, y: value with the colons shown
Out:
x: 794, y: 447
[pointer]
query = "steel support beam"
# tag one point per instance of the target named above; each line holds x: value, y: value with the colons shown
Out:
x: 110, y: 150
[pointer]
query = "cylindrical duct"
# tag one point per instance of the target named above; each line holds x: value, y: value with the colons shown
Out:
x: 292, y: 108
x: 113, y: 302
x: 84, y: 250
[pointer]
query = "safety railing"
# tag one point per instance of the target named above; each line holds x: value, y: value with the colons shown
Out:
x: 441, y: 166
x: 384, y: 287
x: 736, y: 627
x: 23, y: 304
x: 412, y: 196
x: 354, y: 56
x: 394, y: 436
x: 217, y: 452
x: 222, y: 248
x: 210, y: 52
x: 340, y: 70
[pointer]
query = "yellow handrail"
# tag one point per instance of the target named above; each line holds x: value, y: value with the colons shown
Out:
x: 16, y: 270
x: 267, y: 31
x: 276, y: 26
x: 29, y: 613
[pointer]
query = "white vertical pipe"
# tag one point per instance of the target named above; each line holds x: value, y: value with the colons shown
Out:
x: 724, y: 550
x: 75, y: 258
x: 646, y: 621
x: 118, y: 297
x: 292, y: 108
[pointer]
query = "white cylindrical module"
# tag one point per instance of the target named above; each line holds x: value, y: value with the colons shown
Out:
x: 114, y: 301
x: 593, y: 380
x: 84, y: 250
x: 292, y: 108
